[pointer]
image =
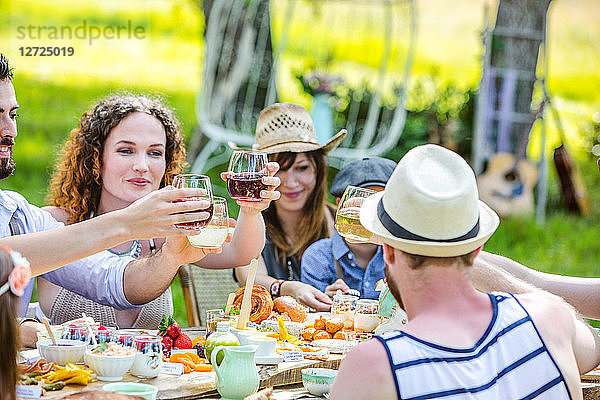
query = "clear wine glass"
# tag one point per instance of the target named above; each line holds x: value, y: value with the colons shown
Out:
x: 214, y: 234
x: 347, y: 217
x: 197, y: 182
x: 245, y: 173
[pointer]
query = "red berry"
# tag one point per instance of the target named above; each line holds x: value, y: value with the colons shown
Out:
x: 183, y: 341
x: 174, y: 330
x: 167, y: 342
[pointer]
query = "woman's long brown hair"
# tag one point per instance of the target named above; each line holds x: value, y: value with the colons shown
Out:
x: 313, y: 224
x: 9, y: 332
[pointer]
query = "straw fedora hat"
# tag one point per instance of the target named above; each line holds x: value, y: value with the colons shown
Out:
x: 430, y: 206
x: 288, y: 127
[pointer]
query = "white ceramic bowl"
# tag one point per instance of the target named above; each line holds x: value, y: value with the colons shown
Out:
x: 66, y: 351
x: 133, y: 389
x: 109, y: 368
x: 243, y: 334
x: 318, y: 381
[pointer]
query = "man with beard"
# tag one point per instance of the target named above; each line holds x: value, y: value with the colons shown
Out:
x: 459, y: 342
x: 120, y: 282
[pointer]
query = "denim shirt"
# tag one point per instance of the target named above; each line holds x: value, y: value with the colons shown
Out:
x: 98, y: 277
x: 318, y: 267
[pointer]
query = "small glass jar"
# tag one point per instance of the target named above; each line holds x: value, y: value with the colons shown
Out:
x: 212, y: 317
x: 76, y: 331
x: 148, y: 356
x: 343, y: 307
x: 124, y: 337
x: 366, y: 317
x: 222, y: 337
x: 104, y: 334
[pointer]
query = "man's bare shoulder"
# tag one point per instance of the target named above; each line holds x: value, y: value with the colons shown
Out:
x: 365, y: 373
x: 550, y: 313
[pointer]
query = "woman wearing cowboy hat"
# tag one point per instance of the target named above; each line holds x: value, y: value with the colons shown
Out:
x: 301, y: 216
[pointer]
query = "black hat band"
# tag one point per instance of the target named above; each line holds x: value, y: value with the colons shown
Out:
x: 402, y: 233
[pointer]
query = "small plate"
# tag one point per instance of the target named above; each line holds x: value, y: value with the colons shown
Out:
x: 268, y: 360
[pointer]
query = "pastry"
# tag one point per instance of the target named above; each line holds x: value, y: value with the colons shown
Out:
x: 308, y: 334
x: 261, y: 303
x: 289, y: 305
x: 320, y: 323
x: 333, y: 325
x: 322, y: 335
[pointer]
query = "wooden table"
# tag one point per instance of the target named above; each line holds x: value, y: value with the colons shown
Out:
x: 197, y: 385
x: 201, y: 384
x: 285, y: 377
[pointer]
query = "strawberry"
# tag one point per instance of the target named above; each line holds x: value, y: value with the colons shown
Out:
x: 174, y: 330
x: 167, y: 342
x: 183, y: 341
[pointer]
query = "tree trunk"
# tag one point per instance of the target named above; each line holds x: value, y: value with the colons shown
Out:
x: 265, y: 48
x: 516, y: 39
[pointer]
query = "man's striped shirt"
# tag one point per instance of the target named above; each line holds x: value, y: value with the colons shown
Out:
x: 510, y: 361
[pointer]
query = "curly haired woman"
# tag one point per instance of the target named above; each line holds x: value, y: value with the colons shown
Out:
x: 125, y: 147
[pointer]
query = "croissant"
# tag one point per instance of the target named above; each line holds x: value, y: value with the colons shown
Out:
x: 261, y: 303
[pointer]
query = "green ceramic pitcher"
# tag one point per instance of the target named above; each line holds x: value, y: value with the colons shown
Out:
x: 236, y: 377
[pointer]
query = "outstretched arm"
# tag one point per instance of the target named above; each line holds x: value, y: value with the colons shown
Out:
x: 56, y: 245
x: 249, y: 236
x: 488, y: 277
x: 581, y: 293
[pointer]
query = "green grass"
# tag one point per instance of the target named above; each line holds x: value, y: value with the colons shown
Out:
x: 53, y: 92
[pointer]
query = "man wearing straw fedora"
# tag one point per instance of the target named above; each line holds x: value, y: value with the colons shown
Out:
x: 459, y: 342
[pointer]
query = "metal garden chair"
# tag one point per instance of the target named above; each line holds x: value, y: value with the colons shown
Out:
x: 252, y: 48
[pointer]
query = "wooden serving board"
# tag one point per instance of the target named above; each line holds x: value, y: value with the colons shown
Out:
x: 201, y: 384
x: 592, y: 376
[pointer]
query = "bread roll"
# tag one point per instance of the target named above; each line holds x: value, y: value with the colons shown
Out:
x: 289, y: 305
x: 308, y: 334
x: 322, y: 335
x: 333, y: 325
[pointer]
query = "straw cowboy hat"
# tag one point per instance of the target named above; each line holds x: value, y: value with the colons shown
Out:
x: 288, y: 127
x: 430, y: 206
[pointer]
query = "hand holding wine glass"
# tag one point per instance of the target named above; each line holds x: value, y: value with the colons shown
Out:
x: 251, y: 181
x: 214, y: 234
x: 197, y: 182
x: 347, y: 218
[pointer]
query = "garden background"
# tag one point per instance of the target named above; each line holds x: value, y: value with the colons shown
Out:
x: 54, y: 91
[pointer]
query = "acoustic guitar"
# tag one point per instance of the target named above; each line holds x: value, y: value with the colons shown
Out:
x: 507, y: 185
x: 508, y: 182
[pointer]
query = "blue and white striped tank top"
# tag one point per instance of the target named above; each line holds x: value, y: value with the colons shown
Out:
x: 510, y: 361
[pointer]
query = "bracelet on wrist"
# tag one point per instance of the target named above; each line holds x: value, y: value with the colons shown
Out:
x: 276, y: 288
x: 21, y: 321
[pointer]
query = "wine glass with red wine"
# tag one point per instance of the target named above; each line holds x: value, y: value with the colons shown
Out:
x: 245, y: 173
x: 196, y: 182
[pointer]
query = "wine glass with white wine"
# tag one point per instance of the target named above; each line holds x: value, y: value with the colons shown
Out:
x: 347, y: 217
x: 213, y: 235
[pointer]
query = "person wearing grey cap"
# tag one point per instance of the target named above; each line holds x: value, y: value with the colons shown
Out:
x: 337, y: 264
